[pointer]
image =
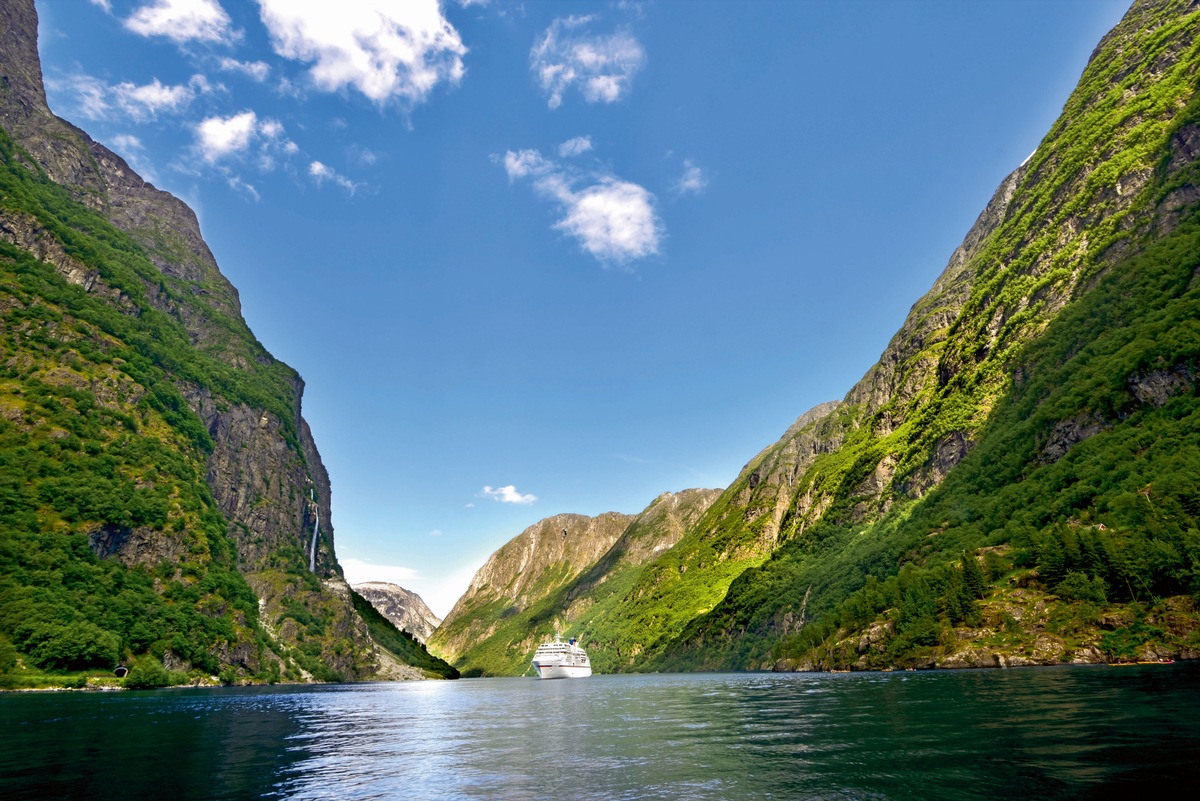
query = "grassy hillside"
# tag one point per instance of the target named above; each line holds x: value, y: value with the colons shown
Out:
x: 1037, y: 404
x: 401, y: 643
x: 1081, y: 482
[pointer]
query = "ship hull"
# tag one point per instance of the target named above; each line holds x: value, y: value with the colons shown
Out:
x: 556, y: 671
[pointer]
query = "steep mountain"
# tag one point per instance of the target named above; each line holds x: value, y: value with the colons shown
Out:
x: 405, y: 609
x: 161, y: 496
x: 556, y: 576
x: 1014, y: 482
x: 1033, y: 422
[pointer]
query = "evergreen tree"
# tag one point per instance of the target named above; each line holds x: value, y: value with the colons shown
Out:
x: 973, y: 576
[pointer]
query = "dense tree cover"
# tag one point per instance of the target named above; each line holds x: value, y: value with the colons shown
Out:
x: 112, y: 549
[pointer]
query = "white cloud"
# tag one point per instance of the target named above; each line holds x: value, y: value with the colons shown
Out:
x: 96, y: 100
x: 130, y: 148
x: 255, y: 70
x: 221, y: 137
x: 693, y: 180
x: 614, y: 220
x: 127, y: 142
x: 91, y: 95
x: 183, y: 21
x: 507, y: 494
x: 575, y: 146
x: 104, y: 4
x: 524, y: 163
x: 601, y: 67
x: 238, y: 185
x: 322, y: 173
x: 384, y: 49
x: 144, y: 102
x: 218, y: 137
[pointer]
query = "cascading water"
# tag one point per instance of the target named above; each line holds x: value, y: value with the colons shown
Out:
x: 312, y: 548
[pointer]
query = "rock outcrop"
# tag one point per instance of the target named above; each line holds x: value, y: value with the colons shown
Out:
x: 404, y: 608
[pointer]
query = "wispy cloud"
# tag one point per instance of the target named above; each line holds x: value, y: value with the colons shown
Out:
x: 93, y: 99
x: 237, y: 184
x: 614, y: 220
x: 693, y: 181
x: 183, y: 21
x: 600, y: 66
x: 145, y: 102
x: 255, y: 70
x: 507, y: 494
x: 321, y: 173
x: 388, y: 51
x: 575, y: 147
x: 130, y: 148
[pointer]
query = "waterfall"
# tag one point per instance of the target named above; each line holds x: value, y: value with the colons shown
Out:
x: 312, y: 548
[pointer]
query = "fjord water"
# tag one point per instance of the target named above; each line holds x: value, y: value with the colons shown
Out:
x: 1035, y: 733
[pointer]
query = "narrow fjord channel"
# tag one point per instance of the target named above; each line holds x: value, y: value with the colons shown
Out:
x: 1036, y: 733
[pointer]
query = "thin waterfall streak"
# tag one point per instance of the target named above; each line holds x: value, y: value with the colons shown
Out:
x: 312, y: 549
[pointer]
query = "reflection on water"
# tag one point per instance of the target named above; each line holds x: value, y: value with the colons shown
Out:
x: 1044, y: 733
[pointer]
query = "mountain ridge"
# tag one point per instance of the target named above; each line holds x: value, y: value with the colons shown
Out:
x: 849, y: 542
x: 405, y: 609
x: 553, y: 577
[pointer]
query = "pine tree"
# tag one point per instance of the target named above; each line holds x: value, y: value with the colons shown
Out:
x: 973, y: 577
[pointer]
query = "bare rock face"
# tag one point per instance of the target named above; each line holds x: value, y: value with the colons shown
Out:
x: 404, y: 608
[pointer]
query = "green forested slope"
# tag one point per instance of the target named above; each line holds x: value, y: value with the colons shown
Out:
x: 1032, y: 419
x: 112, y: 547
x: 95, y: 439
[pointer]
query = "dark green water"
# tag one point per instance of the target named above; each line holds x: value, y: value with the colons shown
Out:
x: 1096, y: 732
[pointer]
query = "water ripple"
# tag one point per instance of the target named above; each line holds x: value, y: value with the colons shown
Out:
x: 1044, y: 733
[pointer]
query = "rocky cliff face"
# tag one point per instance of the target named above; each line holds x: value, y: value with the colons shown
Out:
x: 405, y: 609
x: 262, y: 466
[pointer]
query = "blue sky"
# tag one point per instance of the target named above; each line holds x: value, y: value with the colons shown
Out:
x: 545, y: 257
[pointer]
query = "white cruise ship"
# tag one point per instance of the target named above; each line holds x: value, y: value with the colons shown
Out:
x: 561, y: 660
